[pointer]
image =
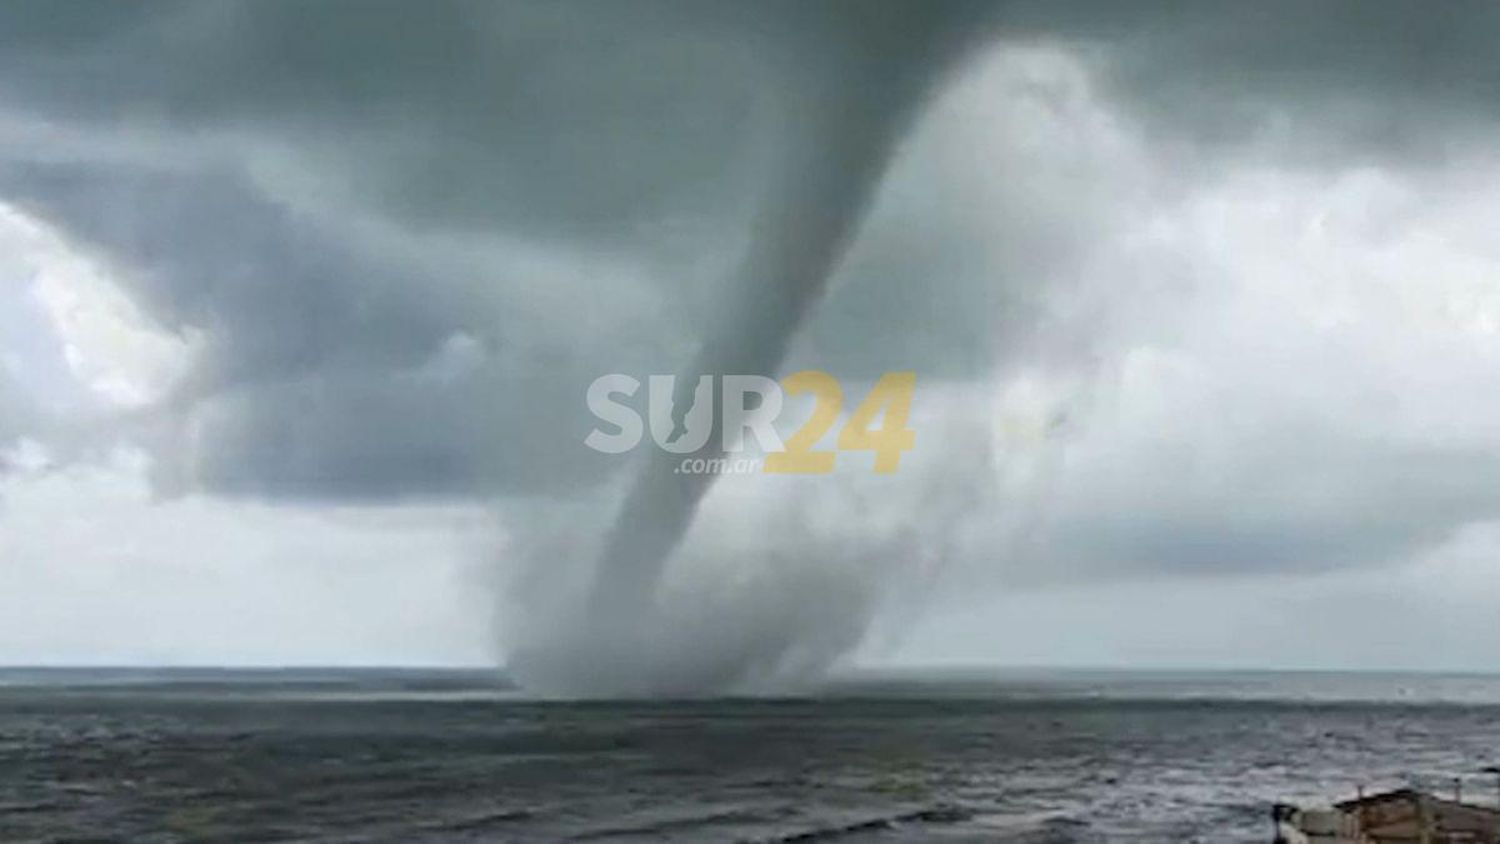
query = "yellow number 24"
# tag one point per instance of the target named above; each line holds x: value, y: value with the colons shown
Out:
x: 891, y: 394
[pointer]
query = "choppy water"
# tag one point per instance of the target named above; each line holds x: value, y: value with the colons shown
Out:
x: 412, y: 756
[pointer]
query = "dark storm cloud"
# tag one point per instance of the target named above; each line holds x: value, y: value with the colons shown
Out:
x: 1378, y: 77
x: 558, y: 119
x: 301, y: 183
x: 354, y: 376
x: 276, y: 294
x: 573, y: 127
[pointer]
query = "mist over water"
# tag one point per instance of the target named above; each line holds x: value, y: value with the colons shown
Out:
x: 772, y: 609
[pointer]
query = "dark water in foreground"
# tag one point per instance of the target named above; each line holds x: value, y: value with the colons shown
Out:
x: 413, y: 756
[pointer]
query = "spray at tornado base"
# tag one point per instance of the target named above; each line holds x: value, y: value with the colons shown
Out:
x: 848, y: 97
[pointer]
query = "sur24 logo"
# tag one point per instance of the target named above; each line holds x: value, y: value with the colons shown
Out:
x: 889, y: 400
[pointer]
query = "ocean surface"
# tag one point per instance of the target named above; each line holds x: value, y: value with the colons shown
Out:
x: 341, y: 755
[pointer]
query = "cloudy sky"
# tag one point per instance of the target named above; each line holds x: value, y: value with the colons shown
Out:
x: 299, y: 304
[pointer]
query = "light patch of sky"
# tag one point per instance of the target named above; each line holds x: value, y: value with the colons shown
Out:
x: 69, y: 334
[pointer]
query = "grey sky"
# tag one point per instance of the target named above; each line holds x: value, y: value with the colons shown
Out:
x: 300, y: 302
